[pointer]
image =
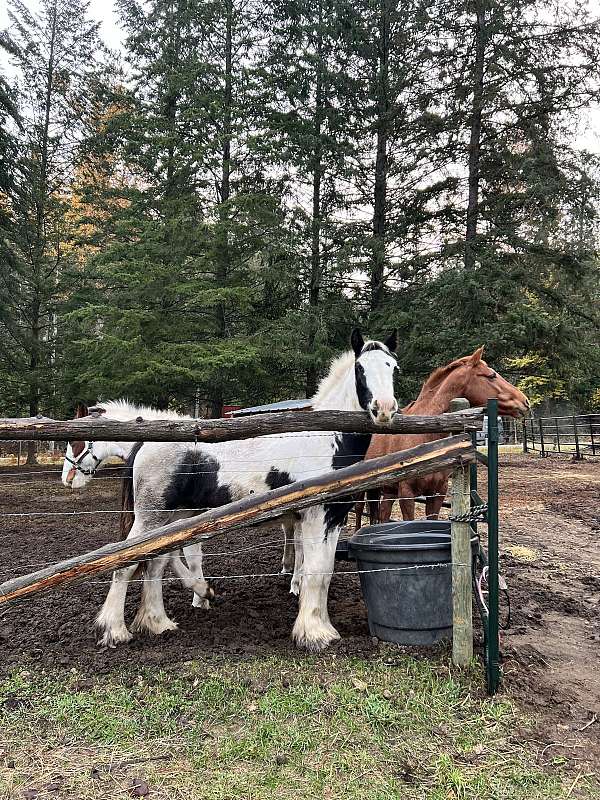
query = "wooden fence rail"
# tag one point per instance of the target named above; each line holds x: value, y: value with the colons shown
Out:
x: 438, y: 455
x: 96, y: 428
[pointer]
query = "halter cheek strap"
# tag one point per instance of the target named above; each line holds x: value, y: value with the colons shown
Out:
x: 77, y: 462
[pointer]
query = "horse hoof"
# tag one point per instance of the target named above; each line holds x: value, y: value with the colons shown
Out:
x: 155, y: 625
x: 111, y: 639
x: 315, y: 640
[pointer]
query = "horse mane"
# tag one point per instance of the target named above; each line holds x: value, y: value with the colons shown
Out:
x: 123, y: 409
x: 338, y: 369
x: 440, y: 374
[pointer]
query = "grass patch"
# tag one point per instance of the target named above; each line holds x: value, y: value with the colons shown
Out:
x: 299, y: 728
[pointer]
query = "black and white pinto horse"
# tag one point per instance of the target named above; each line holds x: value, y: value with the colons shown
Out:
x: 84, y: 458
x: 183, y: 476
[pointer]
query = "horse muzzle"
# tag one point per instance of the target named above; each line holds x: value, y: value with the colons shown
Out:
x: 383, y: 412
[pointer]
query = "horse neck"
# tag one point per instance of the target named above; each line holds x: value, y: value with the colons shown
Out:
x: 104, y: 450
x: 436, y: 400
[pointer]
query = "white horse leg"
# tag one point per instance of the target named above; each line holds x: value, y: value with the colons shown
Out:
x: 151, y: 615
x: 192, y: 577
x: 287, y: 562
x: 312, y: 628
x: 296, y: 581
x: 202, y: 591
x: 110, y: 621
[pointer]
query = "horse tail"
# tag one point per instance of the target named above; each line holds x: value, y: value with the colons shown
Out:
x: 127, y: 498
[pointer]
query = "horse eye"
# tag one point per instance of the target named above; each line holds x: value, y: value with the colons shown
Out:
x: 492, y: 376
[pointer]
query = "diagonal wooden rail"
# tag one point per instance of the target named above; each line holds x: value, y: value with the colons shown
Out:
x: 430, y: 457
x: 95, y: 428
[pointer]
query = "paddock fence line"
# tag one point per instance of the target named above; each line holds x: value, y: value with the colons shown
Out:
x: 452, y: 453
x: 577, y: 435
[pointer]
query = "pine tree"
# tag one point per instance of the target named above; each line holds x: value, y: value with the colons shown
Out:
x: 54, y: 52
x: 172, y: 298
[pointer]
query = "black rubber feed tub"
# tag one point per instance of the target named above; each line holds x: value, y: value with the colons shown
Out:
x: 406, y: 579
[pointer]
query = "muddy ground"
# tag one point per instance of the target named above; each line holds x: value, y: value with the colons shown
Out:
x: 550, y: 528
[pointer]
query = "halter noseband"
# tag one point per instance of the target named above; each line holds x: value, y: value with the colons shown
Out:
x: 77, y: 462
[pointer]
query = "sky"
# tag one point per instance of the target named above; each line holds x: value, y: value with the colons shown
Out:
x: 587, y: 136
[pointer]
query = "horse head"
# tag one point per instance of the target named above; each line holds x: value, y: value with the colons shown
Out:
x: 80, y: 462
x: 374, y: 367
x: 482, y: 383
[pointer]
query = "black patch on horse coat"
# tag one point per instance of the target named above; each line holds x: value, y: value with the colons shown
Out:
x: 363, y: 392
x: 351, y: 448
x: 277, y: 478
x: 195, y: 484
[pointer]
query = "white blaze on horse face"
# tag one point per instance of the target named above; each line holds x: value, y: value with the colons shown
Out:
x: 378, y: 367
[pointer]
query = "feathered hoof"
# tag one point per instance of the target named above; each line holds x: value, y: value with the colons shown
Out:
x: 150, y: 623
x: 315, y: 638
x: 112, y: 637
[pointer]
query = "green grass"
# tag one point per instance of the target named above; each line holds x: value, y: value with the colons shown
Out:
x: 304, y: 728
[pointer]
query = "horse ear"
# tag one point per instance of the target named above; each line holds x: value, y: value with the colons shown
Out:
x: 392, y: 341
x: 81, y: 410
x: 477, y: 355
x: 357, y: 341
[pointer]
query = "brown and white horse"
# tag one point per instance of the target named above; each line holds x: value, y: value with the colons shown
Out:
x: 470, y: 377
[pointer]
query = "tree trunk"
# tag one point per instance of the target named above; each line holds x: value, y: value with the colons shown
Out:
x: 222, y: 254
x: 381, y: 159
x: 315, y: 254
x: 475, y: 136
x: 40, y: 244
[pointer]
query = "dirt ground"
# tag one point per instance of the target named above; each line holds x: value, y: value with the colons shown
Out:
x: 550, y: 525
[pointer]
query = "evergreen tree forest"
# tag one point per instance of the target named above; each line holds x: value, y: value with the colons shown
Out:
x: 201, y: 217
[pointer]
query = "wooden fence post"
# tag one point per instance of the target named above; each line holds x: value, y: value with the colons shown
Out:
x: 462, y: 604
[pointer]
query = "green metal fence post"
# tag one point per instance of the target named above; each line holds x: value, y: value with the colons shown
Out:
x: 525, y: 436
x: 577, y: 450
x: 542, y: 438
x: 493, y: 660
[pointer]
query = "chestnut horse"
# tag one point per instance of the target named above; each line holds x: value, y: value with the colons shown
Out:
x: 468, y: 377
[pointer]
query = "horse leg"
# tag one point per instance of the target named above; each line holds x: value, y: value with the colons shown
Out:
x: 407, y: 507
x: 151, y: 615
x: 433, y: 505
x: 110, y: 622
x: 359, y: 509
x: 312, y: 628
x: 192, y: 576
x: 287, y: 562
x: 373, y: 501
x: 387, y: 504
x: 296, y: 581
